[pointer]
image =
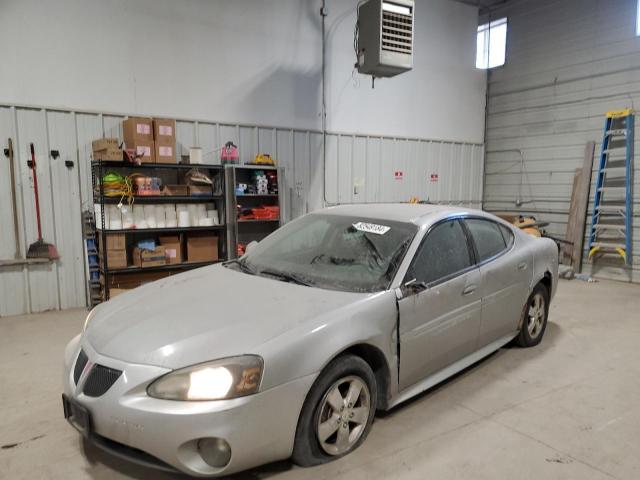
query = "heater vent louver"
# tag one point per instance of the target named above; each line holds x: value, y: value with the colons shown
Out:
x: 397, y: 32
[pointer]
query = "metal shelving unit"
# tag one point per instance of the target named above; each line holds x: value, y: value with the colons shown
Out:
x: 98, y: 170
x: 244, y: 231
x: 147, y: 199
x: 169, y: 230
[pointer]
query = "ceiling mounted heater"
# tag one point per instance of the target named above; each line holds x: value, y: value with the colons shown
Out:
x: 384, y: 37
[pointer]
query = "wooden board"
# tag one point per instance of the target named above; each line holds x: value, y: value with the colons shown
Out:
x: 572, y: 255
x: 572, y: 224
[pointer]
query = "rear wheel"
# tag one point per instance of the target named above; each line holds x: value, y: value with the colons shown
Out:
x: 534, y: 321
x: 338, y: 412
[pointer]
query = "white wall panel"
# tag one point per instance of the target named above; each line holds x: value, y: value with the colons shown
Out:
x: 368, y: 165
x: 14, y: 282
x: 67, y: 213
x: 88, y: 128
x: 568, y: 63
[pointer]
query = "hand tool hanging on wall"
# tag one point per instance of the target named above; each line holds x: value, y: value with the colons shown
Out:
x: 40, y: 248
x: 14, y: 201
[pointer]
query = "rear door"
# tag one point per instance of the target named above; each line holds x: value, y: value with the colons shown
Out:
x: 506, y: 272
x: 440, y: 310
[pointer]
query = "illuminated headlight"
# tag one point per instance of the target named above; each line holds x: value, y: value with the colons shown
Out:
x: 221, y: 379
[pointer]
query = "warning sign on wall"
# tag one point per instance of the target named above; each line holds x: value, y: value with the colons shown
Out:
x: 398, y: 175
x: 434, y: 177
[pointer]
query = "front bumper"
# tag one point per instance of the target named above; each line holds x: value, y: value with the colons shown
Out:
x: 126, y: 421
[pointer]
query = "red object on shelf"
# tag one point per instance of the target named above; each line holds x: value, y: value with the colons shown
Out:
x: 266, y: 213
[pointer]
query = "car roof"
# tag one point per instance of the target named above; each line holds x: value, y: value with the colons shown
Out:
x: 416, y: 213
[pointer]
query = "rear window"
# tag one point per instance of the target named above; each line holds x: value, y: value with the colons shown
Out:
x: 487, y: 237
x: 507, y: 234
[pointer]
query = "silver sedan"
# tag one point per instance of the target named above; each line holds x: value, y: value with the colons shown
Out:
x: 290, y: 350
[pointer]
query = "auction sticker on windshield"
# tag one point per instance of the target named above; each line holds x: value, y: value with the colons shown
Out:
x: 371, y: 228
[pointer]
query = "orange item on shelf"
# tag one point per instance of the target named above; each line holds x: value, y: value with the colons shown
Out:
x: 266, y: 213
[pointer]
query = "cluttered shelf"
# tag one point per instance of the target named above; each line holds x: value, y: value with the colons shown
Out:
x: 164, y: 229
x: 268, y: 195
x: 163, y: 213
x: 258, y: 220
x: 152, y: 166
x: 160, y: 199
x: 173, y: 266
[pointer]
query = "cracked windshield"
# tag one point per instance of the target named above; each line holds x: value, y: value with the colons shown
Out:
x: 332, y: 251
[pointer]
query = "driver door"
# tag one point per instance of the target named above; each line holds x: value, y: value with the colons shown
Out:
x: 440, y: 313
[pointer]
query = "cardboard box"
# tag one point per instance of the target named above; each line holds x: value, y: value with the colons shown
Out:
x: 108, y: 155
x: 172, y: 248
x: 165, y: 153
x: 134, y: 279
x: 202, y: 248
x: 114, y: 292
x: 176, y: 190
x: 106, y: 149
x: 164, y: 131
x: 147, y: 150
x: 200, y: 190
x: 115, y: 259
x: 104, y: 144
x: 149, y: 258
x: 115, y: 241
x: 137, y: 129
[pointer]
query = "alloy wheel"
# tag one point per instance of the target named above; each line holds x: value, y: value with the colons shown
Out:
x: 536, y: 315
x: 344, y: 413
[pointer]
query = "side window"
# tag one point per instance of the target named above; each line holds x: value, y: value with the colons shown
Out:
x: 444, y: 252
x: 487, y: 237
x: 507, y: 235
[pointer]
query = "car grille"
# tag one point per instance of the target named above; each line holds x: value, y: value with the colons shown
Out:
x: 100, y: 380
x: 81, y: 362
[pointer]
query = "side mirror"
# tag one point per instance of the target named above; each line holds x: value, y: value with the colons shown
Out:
x: 413, y: 286
x: 250, y: 246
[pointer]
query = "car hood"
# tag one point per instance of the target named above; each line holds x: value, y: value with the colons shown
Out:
x: 204, y: 314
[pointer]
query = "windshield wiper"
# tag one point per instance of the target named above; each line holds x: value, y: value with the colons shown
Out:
x: 286, y: 277
x: 333, y: 260
x: 242, y: 264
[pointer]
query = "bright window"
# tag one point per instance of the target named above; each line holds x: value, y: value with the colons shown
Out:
x: 492, y: 44
x: 638, y: 20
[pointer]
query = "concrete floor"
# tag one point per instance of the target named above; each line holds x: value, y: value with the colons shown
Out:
x: 568, y: 409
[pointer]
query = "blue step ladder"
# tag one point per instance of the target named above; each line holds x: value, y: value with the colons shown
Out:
x: 612, y: 208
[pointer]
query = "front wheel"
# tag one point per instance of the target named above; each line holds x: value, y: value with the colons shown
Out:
x: 338, y: 412
x: 534, y: 321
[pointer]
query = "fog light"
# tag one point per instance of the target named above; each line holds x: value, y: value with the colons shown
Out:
x: 215, y: 451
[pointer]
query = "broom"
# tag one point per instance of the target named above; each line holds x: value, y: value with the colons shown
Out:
x: 40, y: 248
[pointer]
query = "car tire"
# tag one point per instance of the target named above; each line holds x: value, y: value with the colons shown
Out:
x: 534, y: 318
x: 343, y: 425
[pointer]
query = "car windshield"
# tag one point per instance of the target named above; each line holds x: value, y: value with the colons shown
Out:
x: 333, y: 251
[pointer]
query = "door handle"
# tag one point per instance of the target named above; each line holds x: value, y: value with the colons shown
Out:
x: 469, y: 289
x: 522, y: 266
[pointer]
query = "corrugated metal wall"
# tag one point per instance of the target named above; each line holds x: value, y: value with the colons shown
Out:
x: 359, y: 169
x: 568, y: 63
